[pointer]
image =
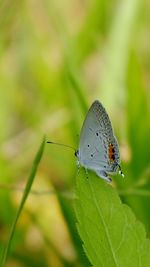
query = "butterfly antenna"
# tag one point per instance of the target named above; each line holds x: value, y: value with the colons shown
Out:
x: 54, y: 143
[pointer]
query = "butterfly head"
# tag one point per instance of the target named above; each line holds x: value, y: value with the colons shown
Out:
x: 76, y: 153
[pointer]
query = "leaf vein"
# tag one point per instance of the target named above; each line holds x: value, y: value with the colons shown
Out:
x: 105, y: 227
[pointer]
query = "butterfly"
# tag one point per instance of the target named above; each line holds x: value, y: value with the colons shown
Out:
x: 98, y: 147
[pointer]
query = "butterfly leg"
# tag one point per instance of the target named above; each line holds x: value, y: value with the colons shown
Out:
x: 103, y: 175
x: 86, y: 171
x: 78, y: 168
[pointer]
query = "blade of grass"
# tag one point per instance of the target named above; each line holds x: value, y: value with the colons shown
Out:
x: 77, y: 86
x: 23, y: 200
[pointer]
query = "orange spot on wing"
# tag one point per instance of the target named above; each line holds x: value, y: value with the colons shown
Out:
x: 111, y: 152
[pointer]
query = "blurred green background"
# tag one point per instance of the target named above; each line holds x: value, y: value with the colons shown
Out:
x: 57, y: 57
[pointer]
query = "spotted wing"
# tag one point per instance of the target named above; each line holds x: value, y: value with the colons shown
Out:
x: 95, y: 138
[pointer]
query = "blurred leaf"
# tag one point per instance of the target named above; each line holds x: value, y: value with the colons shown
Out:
x: 70, y: 55
x: 116, y: 53
x: 109, y: 230
x: 95, y: 26
x: 138, y: 112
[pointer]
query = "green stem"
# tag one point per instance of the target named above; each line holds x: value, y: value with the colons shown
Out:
x: 22, y: 203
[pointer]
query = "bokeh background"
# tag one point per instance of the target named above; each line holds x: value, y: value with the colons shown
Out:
x: 57, y: 57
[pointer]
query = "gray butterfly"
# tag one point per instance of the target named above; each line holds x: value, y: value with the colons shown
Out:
x: 98, y: 147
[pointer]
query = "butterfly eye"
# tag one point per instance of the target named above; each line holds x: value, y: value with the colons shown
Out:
x: 88, y: 145
x: 97, y: 134
x: 91, y: 155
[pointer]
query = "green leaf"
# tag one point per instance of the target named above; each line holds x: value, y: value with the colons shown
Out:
x: 23, y: 200
x: 110, y: 233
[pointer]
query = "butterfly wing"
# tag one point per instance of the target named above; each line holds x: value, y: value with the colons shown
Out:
x: 95, y: 139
